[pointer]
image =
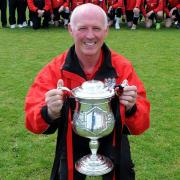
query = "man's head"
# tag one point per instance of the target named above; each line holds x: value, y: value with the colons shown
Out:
x: 88, y: 27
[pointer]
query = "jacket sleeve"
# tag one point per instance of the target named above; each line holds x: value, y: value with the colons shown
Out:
x: 139, y: 121
x: 118, y: 4
x: 159, y: 7
x: 178, y: 6
x: 31, y: 6
x: 47, y: 6
x: 35, y: 100
x: 138, y: 4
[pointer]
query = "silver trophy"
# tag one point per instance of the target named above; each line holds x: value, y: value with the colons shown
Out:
x: 93, y: 119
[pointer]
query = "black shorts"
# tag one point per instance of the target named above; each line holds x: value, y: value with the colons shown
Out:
x: 129, y: 15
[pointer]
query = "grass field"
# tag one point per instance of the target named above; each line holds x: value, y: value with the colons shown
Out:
x: 156, y: 58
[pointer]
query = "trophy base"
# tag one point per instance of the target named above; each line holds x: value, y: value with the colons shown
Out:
x: 94, y: 165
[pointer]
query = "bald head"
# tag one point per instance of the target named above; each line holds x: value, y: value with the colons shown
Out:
x: 85, y: 10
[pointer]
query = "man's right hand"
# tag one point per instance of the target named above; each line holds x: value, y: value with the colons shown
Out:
x: 40, y: 12
x: 54, y: 100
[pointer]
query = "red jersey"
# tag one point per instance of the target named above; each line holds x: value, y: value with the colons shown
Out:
x: 174, y: 3
x: 168, y: 4
x: 58, y: 3
x: 131, y: 4
x: 101, y: 3
x: 75, y: 3
x: 155, y: 5
x: 34, y: 5
x: 116, y: 4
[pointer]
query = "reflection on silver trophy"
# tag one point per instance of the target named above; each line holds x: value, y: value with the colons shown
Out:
x: 93, y: 119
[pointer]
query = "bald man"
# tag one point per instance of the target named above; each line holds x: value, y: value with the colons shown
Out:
x: 89, y: 58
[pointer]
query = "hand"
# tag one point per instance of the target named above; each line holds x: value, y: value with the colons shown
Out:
x: 171, y: 11
x: 149, y: 13
x: 40, y: 12
x: 128, y: 97
x: 54, y: 100
x: 136, y: 10
x: 110, y: 8
x: 52, y: 16
x: 124, y: 18
x: 61, y: 9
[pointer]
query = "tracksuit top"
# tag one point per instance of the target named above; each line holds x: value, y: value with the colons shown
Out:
x: 66, y: 66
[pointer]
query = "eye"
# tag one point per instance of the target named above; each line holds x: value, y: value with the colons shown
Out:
x: 96, y: 28
x: 82, y: 28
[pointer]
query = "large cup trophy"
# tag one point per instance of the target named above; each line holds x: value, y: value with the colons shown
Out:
x: 93, y: 119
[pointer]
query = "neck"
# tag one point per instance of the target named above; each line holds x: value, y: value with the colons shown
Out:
x: 88, y: 62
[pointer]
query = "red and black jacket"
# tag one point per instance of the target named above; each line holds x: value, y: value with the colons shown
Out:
x: 66, y: 67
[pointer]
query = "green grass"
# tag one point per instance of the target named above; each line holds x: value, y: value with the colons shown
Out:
x: 156, y: 58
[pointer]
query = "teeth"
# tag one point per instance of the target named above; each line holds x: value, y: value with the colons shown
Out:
x: 89, y: 43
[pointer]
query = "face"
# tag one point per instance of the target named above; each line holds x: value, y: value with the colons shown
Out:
x: 88, y: 33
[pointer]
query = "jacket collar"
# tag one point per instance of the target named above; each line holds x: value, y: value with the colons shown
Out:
x: 106, y: 71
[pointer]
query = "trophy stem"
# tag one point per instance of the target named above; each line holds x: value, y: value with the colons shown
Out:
x: 93, y: 145
x: 94, y: 164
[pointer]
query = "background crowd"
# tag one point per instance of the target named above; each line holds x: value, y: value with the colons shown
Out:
x: 42, y: 13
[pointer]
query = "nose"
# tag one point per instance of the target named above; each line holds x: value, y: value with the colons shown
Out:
x: 90, y: 34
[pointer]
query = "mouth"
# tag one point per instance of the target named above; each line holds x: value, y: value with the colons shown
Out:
x: 90, y: 44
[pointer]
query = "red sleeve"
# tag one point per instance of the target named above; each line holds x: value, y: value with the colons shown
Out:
x: 159, y: 7
x: 45, y: 80
x: 47, y: 6
x: 66, y: 3
x: 31, y: 6
x: 118, y: 4
x: 143, y: 10
x: 138, y: 3
x: 178, y: 6
x: 140, y: 120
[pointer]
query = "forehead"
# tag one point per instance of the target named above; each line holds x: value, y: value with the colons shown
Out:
x: 89, y: 18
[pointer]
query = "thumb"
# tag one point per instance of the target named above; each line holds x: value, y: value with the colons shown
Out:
x: 60, y: 83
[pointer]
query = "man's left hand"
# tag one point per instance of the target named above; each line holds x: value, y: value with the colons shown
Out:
x: 128, y: 97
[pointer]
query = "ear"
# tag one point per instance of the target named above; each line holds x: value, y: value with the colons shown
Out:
x: 106, y: 31
x: 70, y: 29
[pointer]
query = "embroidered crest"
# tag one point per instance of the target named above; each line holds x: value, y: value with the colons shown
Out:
x: 110, y: 82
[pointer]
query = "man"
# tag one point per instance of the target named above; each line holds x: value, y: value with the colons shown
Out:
x: 133, y: 9
x: 115, y: 10
x: 40, y: 9
x: 60, y: 9
x: 172, y: 10
x: 154, y: 13
x: 19, y: 6
x: 89, y: 58
x: 3, y: 6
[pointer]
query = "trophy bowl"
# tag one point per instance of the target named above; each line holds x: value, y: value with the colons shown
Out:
x: 93, y: 119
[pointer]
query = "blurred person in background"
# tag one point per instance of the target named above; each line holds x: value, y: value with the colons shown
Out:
x: 133, y: 9
x: 154, y: 13
x: 172, y: 11
x: 19, y: 6
x: 40, y: 9
x: 61, y: 12
x: 3, y: 7
x: 115, y: 11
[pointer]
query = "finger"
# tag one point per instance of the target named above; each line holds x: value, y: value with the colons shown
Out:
x: 53, y: 92
x: 52, y: 99
x: 60, y: 83
x: 128, y: 99
x: 130, y: 93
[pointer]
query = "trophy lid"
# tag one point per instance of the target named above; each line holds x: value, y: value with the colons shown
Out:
x: 93, y: 89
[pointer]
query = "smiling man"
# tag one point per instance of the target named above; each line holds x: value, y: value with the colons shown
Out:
x: 89, y: 58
